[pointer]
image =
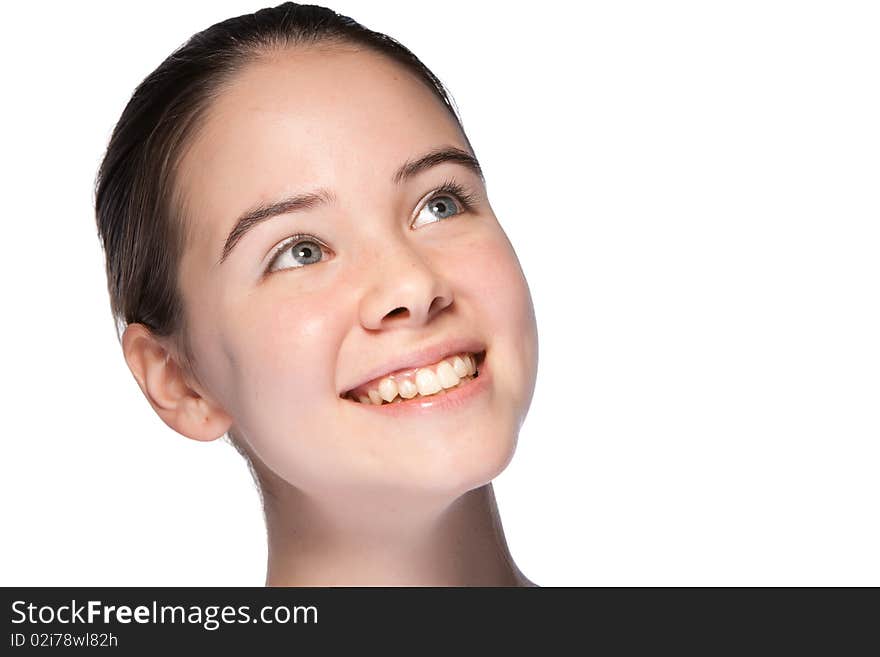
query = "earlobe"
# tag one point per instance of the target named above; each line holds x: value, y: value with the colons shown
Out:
x: 163, y: 383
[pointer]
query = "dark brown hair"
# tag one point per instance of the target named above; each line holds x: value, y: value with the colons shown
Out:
x: 139, y: 218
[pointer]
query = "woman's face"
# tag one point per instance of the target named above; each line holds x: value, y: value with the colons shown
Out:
x: 278, y: 345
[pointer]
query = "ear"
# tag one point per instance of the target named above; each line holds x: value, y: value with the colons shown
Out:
x: 163, y: 383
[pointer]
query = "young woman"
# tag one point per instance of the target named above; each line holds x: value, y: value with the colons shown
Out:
x: 300, y: 249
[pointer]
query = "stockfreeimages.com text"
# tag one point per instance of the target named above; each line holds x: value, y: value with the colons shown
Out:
x: 210, y: 617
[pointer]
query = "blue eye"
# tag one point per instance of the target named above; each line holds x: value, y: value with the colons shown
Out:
x: 449, y: 200
x: 301, y: 250
x: 442, y: 207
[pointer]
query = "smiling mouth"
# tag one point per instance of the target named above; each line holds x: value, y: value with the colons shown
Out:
x: 451, y: 373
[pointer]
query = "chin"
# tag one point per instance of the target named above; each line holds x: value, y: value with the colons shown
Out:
x: 456, y: 472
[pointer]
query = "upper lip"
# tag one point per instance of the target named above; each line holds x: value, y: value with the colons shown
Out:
x: 427, y: 355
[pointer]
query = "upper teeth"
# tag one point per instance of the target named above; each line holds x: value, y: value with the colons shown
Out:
x: 427, y: 380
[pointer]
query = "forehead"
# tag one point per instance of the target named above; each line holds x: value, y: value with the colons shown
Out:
x: 300, y: 119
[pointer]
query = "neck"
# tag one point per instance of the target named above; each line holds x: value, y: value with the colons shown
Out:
x: 375, y: 542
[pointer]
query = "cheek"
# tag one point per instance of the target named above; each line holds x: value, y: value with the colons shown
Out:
x: 291, y: 346
x: 284, y: 372
x: 499, y: 285
x: 503, y: 300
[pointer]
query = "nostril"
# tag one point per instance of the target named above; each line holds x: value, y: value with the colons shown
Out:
x: 397, y: 311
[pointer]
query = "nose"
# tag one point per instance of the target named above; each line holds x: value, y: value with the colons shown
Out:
x: 406, y: 289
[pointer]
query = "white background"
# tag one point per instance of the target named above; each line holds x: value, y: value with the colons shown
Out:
x: 692, y: 189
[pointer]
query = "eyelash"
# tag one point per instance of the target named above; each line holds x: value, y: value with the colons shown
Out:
x: 449, y: 187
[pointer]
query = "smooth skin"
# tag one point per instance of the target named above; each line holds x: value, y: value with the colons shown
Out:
x: 352, y: 497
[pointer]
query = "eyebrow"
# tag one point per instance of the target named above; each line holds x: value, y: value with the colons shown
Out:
x: 408, y: 170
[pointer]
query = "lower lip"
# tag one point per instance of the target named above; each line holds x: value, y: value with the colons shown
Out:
x: 452, y: 399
